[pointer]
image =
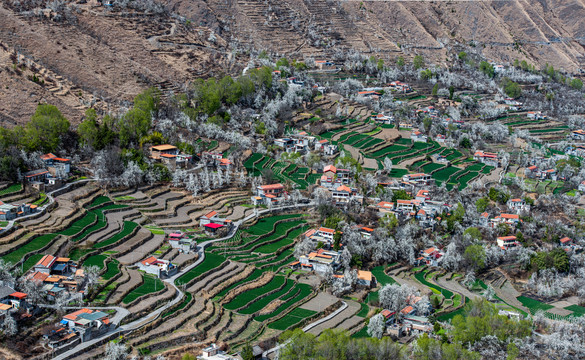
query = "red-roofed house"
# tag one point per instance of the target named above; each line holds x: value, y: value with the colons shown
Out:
x: 510, y: 219
x: 269, y: 195
x: 342, y: 194
x: 158, y: 150
x: 418, y: 136
x: 320, y: 261
x: 159, y: 267
x: 45, y: 264
x: 518, y: 205
x: 365, y: 278
x: 487, y: 158
x: 385, y: 207
x: 506, y: 242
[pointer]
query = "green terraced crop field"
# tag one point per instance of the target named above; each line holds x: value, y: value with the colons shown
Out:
x: 34, y: 245
x: 151, y: 284
x: 260, y: 304
x: 248, y: 296
x: 291, y: 319
x: 211, y: 261
x: 111, y: 269
x: 253, y: 276
x: 273, y: 247
x: 300, y: 292
x: 95, y: 260
x: 128, y: 227
x: 14, y: 188
x: 266, y: 224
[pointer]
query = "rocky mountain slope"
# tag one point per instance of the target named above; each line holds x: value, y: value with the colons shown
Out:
x: 81, y: 55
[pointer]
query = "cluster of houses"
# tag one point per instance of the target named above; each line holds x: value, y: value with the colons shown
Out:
x: 78, y: 326
x: 57, y: 275
x: 12, y: 301
x: 303, y: 143
x: 421, y: 208
x: 269, y: 195
x: 213, y: 224
x: 170, y: 156
x: 12, y: 211
x: 160, y: 267
x: 533, y: 172
x: 53, y: 175
x: 404, y: 322
x: 487, y: 158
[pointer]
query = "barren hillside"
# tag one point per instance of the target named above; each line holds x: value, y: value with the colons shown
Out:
x: 105, y: 56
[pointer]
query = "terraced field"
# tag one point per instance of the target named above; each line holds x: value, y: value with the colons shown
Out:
x: 283, y: 171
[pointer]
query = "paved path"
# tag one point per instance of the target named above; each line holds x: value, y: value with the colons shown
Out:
x: 43, y: 208
x: 137, y: 324
x: 307, y: 328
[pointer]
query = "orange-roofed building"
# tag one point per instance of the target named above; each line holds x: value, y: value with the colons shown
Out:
x: 365, y: 278
x: 269, y: 195
x: 487, y: 158
x: 158, y: 150
x: 321, y: 261
x: 418, y: 136
x: 45, y: 264
x: 506, y: 242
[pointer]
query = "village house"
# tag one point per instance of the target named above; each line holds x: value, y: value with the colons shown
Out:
x: 487, y: 158
x: 506, y: 242
x: 535, y: 115
x: 11, y: 300
x: 88, y: 324
x: 269, y: 195
x: 510, y: 219
x: 326, y: 147
x: 12, y: 211
x: 333, y: 177
x: 181, y: 241
x: 159, y: 267
x: 370, y: 94
x: 518, y: 205
x: 407, y: 205
x: 430, y: 257
x: 320, y: 261
x: 39, y: 175
x: 57, y: 167
x: 440, y: 138
x: 157, y: 150
x: 213, y: 352
x: 531, y: 171
x: 440, y: 159
x: 343, y: 194
x: 325, y: 65
x: 418, y: 179
x: 365, y: 278
x: 287, y: 144
x: 399, y: 86
x: 418, y: 136
x: 550, y: 174
x: 578, y: 134
x: 385, y: 207
x: 383, y: 119
x: 322, y: 235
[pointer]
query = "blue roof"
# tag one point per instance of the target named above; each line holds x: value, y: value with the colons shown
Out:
x: 64, y: 322
x: 59, y: 267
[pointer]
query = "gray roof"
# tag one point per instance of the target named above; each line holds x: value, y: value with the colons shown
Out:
x: 93, y: 316
x: 5, y: 291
